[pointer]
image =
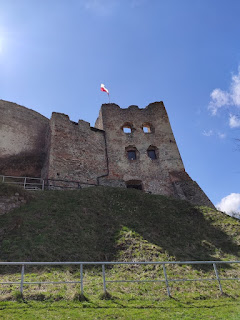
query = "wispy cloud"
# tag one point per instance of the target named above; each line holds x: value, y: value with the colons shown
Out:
x: 101, y: 8
x: 230, y: 204
x: 137, y: 3
x: 207, y: 133
x: 220, y: 98
x: 211, y: 132
x: 234, y: 121
x: 109, y: 7
x: 221, y: 135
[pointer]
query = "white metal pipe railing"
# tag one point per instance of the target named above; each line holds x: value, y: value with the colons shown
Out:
x: 41, y: 184
x: 105, y: 281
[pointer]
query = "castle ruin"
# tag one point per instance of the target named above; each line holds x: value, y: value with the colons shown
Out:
x: 130, y: 148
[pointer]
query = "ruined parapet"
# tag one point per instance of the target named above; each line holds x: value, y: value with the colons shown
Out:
x: 132, y: 147
x: 22, y: 140
x: 148, y: 131
x: 76, y: 151
x: 142, y: 152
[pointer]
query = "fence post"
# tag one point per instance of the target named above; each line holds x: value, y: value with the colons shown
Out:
x: 166, y: 280
x: 22, y: 279
x: 2, y: 178
x: 43, y: 184
x: 81, y: 277
x: 217, y: 276
x: 104, y: 280
x: 24, y: 183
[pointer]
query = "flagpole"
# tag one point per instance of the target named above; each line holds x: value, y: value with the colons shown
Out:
x: 109, y: 97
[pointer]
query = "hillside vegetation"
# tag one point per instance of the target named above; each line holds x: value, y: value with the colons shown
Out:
x: 107, y: 224
x: 110, y: 224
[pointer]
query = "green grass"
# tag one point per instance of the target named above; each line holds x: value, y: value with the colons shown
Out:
x: 104, y: 224
x: 222, y: 308
x: 110, y: 224
x: 11, y: 189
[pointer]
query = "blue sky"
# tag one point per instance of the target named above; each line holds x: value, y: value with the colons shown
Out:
x: 54, y: 55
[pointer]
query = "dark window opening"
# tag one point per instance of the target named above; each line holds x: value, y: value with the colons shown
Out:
x: 134, y: 184
x: 152, y: 154
x: 131, y: 154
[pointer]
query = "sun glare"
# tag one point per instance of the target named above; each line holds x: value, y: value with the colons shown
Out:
x: 1, y: 45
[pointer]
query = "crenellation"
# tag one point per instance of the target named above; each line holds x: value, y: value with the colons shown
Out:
x: 131, y: 148
x: 83, y: 125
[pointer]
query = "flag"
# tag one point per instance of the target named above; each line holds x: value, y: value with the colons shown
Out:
x: 104, y: 89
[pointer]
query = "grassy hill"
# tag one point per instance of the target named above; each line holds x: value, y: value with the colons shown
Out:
x: 107, y: 224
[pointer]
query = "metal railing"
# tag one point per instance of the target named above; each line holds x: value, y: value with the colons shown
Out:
x: 166, y: 279
x: 29, y: 183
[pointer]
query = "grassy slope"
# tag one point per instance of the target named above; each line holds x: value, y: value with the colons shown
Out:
x: 98, y: 224
x: 221, y: 309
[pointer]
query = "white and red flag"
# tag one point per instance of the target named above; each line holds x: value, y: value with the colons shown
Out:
x: 104, y: 89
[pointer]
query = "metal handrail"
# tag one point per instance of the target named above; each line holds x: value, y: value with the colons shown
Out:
x: 45, y: 183
x: 16, y: 177
x: 105, y: 281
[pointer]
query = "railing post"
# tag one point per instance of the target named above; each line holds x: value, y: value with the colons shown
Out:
x: 166, y: 280
x: 22, y: 279
x: 2, y: 178
x: 104, y: 280
x: 24, y: 183
x: 217, y: 276
x: 81, y: 277
x: 43, y: 184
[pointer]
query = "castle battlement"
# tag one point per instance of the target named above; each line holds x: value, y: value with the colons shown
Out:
x: 133, y: 148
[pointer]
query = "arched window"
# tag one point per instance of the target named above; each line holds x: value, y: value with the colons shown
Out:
x: 127, y: 127
x: 152, y: 152
x: 131, y: 153
x: 147, y: 127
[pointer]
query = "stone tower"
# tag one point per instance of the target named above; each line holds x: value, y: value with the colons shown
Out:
x: 141, y: 147
x: 143, y: 154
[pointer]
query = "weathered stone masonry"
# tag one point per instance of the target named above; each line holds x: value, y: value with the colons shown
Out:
x: 153, y: 175
x: 76, y: 151
x: 22, y: 140
x: 127, y: 147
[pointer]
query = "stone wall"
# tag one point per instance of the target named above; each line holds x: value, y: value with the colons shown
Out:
x: 154, y: 174
x: 76, y: 151
x: 60, y: 149
x: 187, y: 189
x: 8, y: 203
x: 22, y: 140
